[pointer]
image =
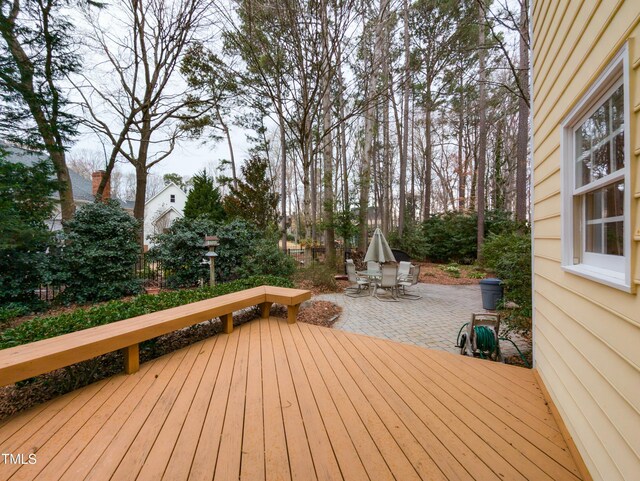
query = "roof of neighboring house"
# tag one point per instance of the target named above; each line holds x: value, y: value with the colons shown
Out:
x: 166, y: 211
x: 82, y: 188
x: 164, y: 189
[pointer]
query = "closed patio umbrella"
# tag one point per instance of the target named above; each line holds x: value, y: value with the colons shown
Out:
x: 379, y: 250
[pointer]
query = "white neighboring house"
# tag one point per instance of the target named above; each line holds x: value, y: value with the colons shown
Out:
x: 162, y: 210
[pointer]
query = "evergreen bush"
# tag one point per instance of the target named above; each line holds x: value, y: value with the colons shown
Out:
x: 181, y: 251
x: 509, y: 256
x: 243, y: 251
x: 97, y: 262
x: 204, y: 199
x: 267, y: 259
x: 452, y: 236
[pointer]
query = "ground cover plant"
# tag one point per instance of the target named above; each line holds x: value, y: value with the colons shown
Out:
x: 83, y: 318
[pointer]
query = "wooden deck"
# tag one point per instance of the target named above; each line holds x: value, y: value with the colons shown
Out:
x: 278, y: 401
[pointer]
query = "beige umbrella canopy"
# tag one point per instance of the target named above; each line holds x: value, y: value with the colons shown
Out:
x: 379, y: 250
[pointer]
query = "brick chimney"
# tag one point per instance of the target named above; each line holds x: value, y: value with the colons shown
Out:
x: 96, y: 178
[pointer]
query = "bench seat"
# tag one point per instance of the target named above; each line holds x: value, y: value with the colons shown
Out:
x: 28, y: 360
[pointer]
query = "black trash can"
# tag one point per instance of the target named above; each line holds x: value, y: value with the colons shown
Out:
x: 492, y: 292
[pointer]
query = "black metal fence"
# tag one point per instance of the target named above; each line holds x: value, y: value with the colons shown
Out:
x: 151, y: 272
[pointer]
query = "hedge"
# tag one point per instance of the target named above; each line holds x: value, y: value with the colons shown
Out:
x: 47, y: 327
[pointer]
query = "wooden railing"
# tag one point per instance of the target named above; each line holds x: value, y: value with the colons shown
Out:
x: 23, y: 362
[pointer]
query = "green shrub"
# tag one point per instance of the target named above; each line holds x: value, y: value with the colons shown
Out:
x: 268, y: 259
x: 243, y: 251
x: 237, y: 244
x: 100, y: 252
x: 413, y: 241
x: 452, y: 236
x: 181, y: 250
x: 509, y: 256
x: 46, y: 327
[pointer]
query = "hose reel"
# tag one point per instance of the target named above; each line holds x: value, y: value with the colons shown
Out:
x: 481, y: 337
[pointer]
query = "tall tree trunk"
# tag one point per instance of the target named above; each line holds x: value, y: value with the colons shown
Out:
x: 369, y: 125
x: 413, y: 164
x: 404, y: 150
x: 327, y: 150
x: 482, y: 132
x: 386, y: 150
x: 283, y: 174
x: 523, y: 117
x: 225, y: 129
x: 426, y: 206
x: 138, y: 206
x: 462, y: 167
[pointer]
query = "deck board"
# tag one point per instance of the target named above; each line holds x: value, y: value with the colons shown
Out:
x: 278, y: 401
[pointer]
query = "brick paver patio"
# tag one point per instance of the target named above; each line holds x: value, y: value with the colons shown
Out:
x: 432, y: 322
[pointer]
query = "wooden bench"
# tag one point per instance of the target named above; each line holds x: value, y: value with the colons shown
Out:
x: 28, y: 360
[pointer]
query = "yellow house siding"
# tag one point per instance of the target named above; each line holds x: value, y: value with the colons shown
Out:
x: 586, y: 334
x: 579, y: 64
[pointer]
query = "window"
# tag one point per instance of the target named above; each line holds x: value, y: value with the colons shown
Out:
x: 595, y: 190
x: 173, y: 198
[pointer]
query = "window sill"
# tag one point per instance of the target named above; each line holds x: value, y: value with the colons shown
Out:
x: 603, y: 276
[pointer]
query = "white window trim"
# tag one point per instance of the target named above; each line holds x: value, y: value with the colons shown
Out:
x: 619, y: 279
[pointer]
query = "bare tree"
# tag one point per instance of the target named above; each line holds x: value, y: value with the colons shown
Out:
x: 85, y: 162
x: 523, y: 114
x: 133, y: 97
x: 369, y: 123
x: 404, y: 151
x: 482, y: 130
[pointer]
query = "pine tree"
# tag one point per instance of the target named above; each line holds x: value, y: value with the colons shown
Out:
x: 253, y: 199
x: 204, y: 199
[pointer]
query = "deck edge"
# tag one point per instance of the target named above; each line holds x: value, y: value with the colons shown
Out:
x: 573, y: 449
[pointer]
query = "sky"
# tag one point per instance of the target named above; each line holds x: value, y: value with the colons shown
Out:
x: 188, y: 157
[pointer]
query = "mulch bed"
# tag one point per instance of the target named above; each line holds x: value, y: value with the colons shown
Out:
x: 433, y: 274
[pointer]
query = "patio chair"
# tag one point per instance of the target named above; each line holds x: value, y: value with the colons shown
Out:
x: 373, y: 266
x: 404, y: 270
x: 388, y: 282
x: 411, y: 280
x: 360, y: 284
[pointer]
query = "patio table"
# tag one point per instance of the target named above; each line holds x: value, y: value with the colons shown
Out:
x: 371, y: 274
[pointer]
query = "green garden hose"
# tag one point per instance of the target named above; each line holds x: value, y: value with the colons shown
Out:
x: 519, y: 352
x: 485, y: 340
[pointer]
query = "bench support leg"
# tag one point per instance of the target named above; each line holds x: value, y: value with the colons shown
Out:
x: 265, y: 308
x: 292, y: 313
x: 131, y: 359
x: 227, y: 323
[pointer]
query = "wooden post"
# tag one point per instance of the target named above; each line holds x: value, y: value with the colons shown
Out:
x: 292, y: 313
x: 131, y: 356
x: 265, y: 309
x: 227, y: 323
